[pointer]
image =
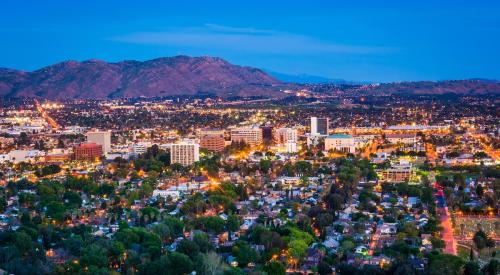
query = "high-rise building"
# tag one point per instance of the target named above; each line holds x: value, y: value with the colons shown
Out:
x: 249, y: 135
x: 340, y: 142
x: 141, y: 147
x: 319, y: 125
x: 186, y: 152
x: 212, y: 139
x: 267, y: 133
x: 291, y: 147
x: 102, y: 138
x: 284, y: 135
x: 87, y: 151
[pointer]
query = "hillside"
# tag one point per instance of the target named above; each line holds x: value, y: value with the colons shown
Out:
x: 179, y: 75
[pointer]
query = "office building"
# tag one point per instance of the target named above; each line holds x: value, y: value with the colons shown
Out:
x: 141, y: 147
x: 87, y: 151
x: 212, y: 139
x: 102, y: 138
x: 249, y: 135
x: 340, y: 142
x: 267, y: 133
x: 186, y: 153
x: 401, y: 138
x: 284, y: 135
x: 319, y: 126
x: 291, y: 147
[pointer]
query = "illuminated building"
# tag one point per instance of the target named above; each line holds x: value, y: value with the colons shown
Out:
x: 212, y: 139
x: 87, y: 151
x: 249, y: 135
x: 340, y: 142
x: 185, y: 153
x: 319, y: 126
x: 284, y: 135
x: 102, y: 138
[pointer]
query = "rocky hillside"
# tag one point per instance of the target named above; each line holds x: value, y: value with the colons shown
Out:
x: 179, y: 75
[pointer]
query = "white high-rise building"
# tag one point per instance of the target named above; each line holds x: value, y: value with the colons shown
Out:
x: 284, y: 135
x: 102, y: 138
x: 319, y: 126
x: 291, y: 147
x: 186, y: 152
x: 141, y: 147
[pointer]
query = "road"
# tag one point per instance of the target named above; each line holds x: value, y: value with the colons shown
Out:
x: 431, y: 153
x: 447, y: 234
x: 46, y: 116
x: 370, y: 148
x: 374, y: 241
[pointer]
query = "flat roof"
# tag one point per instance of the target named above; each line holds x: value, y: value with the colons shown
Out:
x: 339, y: 136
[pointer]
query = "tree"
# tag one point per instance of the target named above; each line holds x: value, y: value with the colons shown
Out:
x: 324, y: 220
x: 210, y: 264
x: 492, y: 268
x: 55, y: 210
x: 94, y: 255
x: 324, y: 268
x: 445, y: 264
x: 265, y: 165
x: 3, y: 204
x: 214, y: 224
x: 480, y: 239
x: 274, y: 268
x: 479, y: 190
x: 23, y: 139
x: 244, y: 253
x: 472, y: 268
x: 172, y: 264
x: 297, y: 250
x: 480, y: 155
x: 179, y: 264
x: 194, y: 205
x: 163, y: 231
x: 60, y: 144
x: 335, y: 202
x: 188, y: 247
x: 201, y: 239
x: 22, y: 241
x: 233, y: 222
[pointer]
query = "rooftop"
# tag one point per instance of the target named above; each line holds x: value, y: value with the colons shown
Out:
x: 339, y: 136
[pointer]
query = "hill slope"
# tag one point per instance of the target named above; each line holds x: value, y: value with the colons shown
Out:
x: 179, y: 75
x: 464, y: 87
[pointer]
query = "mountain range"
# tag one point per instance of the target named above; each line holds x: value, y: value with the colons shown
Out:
x: 184, y: 75
x: 179, y: 75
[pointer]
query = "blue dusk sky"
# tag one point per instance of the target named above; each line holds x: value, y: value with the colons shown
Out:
x: 376, y: 41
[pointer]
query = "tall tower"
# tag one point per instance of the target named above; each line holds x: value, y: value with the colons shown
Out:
x: 319, y: 126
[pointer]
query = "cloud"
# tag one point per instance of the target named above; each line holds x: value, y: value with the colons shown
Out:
x: 218, y: 37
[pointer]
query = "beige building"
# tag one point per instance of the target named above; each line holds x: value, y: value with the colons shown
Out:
x: 212, y: 139
x: 185, y: 153
x: 249, y: 135
x: 284, y: 135
x: 102, y: 138
x: 401, y: 138
x: 340, y: 142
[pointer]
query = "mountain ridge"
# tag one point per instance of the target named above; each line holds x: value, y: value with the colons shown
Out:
x: 185, y: 75
x: 178, y: 75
